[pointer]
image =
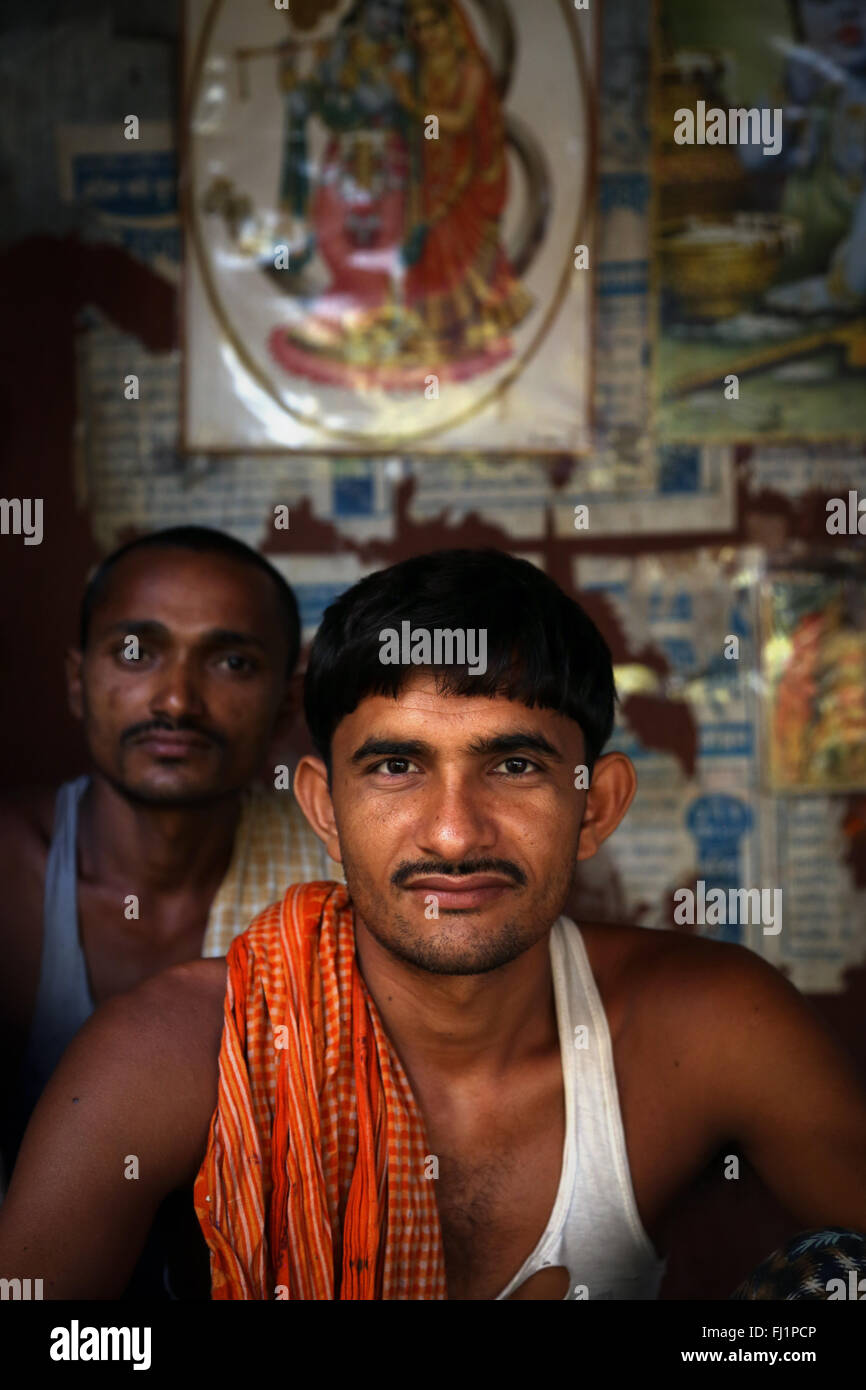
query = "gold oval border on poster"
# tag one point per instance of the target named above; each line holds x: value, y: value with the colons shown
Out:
x: 390, y: 441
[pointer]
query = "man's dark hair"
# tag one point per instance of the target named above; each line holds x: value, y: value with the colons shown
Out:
x: 542, y: 648
x: 204, y: 541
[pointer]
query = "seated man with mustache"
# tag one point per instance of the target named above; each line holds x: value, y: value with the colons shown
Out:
x: 428, y: 1083
x: 168, y: 847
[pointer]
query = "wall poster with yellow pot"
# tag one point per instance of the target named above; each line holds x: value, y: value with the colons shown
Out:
x: 759, y: 220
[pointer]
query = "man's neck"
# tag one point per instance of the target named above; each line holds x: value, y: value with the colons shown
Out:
x: 168, y: 849
x: 462, y: 1027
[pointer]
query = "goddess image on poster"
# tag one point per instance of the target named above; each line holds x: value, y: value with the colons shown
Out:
x: 385, y: 200
x: 407, y: 212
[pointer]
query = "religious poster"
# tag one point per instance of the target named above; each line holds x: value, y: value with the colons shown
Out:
x: 387, y: 219
x: 759, y: 235
x: 814, y: 665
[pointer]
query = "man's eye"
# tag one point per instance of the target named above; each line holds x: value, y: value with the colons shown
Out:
x: 130, y: 655
x: 514, y: 767
x: 395, y: 767
x: 236, y: 662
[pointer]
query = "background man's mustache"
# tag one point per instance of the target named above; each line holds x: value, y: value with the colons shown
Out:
x: 423, y: 867
x: 177, y: 726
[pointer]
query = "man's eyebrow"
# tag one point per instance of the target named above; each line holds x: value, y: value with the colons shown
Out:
x: 518, y: 741
x: 215, y: 637
x: 137, y: 625
x: 390, y: 748
x: 228, y: 637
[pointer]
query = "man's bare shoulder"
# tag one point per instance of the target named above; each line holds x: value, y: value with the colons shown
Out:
x: 690, y: 1008
x: 202, y: 981
x: 617, y: 950
x: 625, y: 947
x: 152, y: 1052
x: 26, y: 819
x: 166, y: 1028
x: 27, y: 814
x: 647, y: 971
x: 178, y: 1008
x: 26, y: 824
x: 139, y: 1080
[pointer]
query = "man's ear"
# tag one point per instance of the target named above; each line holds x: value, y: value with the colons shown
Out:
x: 611, y: 792
x: 314, y: 798
x: 74, y: 691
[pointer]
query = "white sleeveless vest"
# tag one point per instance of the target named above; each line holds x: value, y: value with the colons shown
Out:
x: 595, y: 1229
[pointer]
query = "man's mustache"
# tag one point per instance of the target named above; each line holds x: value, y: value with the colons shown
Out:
x: 172, y: 726
x: 421, y: 868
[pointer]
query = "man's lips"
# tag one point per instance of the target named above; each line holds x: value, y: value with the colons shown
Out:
x: 475, y: 890
x: 850, y: 34
x: 163, y: 743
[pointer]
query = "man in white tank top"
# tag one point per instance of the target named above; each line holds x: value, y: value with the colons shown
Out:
x: 167, y: 848
x: 570, y: 1082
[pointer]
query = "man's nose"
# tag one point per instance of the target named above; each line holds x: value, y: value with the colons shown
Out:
x: 456, y: 820
x: 178, y: 690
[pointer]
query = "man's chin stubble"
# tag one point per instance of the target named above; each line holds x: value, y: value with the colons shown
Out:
x: 405, y: 946
x: 178, y: 798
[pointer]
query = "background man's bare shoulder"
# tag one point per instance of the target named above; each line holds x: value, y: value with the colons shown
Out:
x: 27, y: 814
x: 26, y: 818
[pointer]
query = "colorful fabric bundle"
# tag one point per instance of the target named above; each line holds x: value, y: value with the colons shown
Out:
x: 807, y: 1265
x: 313, y: 1185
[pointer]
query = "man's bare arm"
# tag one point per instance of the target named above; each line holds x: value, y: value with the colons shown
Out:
x: 139, y: 1080
x: 788, y: 1092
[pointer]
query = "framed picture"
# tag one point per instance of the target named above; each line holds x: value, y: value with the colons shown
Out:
x: 759, y: 226
x: 386, y: 210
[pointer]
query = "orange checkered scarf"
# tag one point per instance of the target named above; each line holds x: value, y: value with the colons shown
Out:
x: 313, y: 1184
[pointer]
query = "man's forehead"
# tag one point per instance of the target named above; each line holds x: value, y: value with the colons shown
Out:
x: 427, y: 712
x: 160, y: 584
